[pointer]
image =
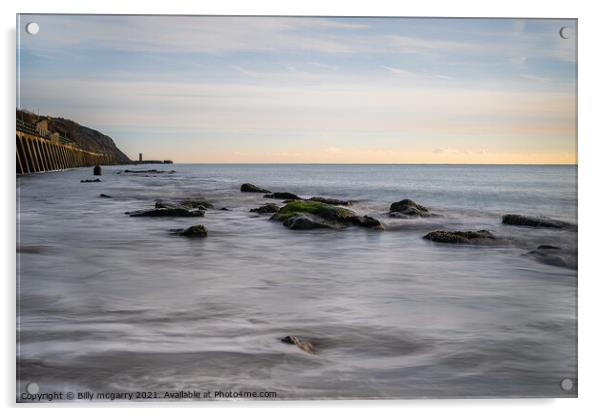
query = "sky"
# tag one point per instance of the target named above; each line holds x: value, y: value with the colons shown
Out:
x: 211, y: 89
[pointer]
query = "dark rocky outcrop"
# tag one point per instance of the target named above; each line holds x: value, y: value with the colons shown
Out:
x: 196, y: 231
x: 303, y: 345
x: 167, y: 212
x: 330, y: 201
x: 283, y: 195
x: 537, y: 222
x: 555, y: 256
x: 408, y: 208
x: 90, y: 180
x: 266, y: 209
x: 305, y: 215
x: 82, y: 136
x: 249, y: 187
x: 105, y: 196
x: 459, y: 237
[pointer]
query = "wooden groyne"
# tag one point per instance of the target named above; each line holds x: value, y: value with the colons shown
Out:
x: 38, y: 150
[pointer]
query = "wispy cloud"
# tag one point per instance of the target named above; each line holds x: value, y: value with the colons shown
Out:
x: 535, y: 78
x: 398, y: 71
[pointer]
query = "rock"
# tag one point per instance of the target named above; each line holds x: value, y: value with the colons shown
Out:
x: 266, y: 209
x: 164, y: 204
x: 97, y: 171
x: 90, y: 180
x: 554, y: 256
x: 539, y: 222
x: 195, y: 203
x: 249, y: 187
x: 196, y: 231
x: 167, y: 212
x: 407, y: 208
x: 186, y: 204
x: 459, y: 237
x: 307, y: 222
x: 148, y: 171
x: 303, y: 345
x: 330, y: 201
x: 105, y: 196
x: 368, y: 222
x: 283, y: 195
x: 224, y: 209
x: 304, y: 215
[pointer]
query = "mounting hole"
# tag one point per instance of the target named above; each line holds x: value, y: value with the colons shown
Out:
x: 32, y: 28
x: 565, y: 32
x: 567, y: 384
x: 32, y: 388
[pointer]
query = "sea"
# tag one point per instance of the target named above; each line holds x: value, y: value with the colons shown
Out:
x: 108, y: 303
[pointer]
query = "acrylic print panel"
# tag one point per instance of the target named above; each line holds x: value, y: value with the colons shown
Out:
x: 276, y: 208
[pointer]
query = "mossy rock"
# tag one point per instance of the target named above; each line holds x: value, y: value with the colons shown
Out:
x: 319, y: 209
x: 304, y: 214
x: 459, y: 237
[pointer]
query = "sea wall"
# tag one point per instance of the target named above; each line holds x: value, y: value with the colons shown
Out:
x: 37, y: 154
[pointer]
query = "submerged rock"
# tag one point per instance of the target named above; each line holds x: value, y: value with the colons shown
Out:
x: 167, y: 212
x: 538, y: 222
x: 459, y: 237
x: 196, y: 231
x: 303, y: 345
x: 555, y: 256
x: 305, y: 215
x: 266, y: 209
x: 407, y: 208
x: 148, y: 171
x: 283, y: 195
x: 249, y: 187
x: 90, y: 180
x: 330, y: 201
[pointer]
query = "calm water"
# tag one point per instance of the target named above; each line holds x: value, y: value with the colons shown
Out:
x: 111, y: 303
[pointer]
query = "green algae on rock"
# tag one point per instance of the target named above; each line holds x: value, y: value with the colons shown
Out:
x: 303, y: 214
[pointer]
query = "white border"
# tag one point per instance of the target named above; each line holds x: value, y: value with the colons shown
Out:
x: 589, y: 185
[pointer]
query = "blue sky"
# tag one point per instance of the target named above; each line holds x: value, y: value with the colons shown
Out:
x: 340, y: 90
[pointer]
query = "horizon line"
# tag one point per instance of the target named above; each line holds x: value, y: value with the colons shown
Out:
x: 364, y: 163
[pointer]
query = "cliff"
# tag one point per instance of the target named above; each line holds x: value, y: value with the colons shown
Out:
x: 82, y: 136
